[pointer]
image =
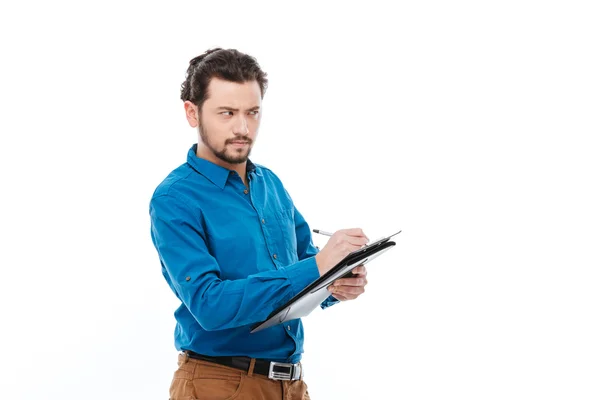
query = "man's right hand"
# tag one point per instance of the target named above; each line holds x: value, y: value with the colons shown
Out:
x: 339, y: 245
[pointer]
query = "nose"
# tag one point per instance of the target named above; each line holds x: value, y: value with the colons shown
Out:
x: 241, y: 126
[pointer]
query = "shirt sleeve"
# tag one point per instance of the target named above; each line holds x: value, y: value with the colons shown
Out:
x: 306, y: 248
x: 217, y: 304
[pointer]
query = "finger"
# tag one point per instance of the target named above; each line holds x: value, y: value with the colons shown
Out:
x: 346, y: 297
x: 360, y: 270
x: 357, y: 232
x: 340, y: 297
x: 356, y: 241
x: 349, y: 290
x: 350, y: 282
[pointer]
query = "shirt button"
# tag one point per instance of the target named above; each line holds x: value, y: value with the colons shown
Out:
x: 289, y: 329
x: 275, y: 256
x: 246, y: 191
x: 263, y: 220
x: 187, y: 278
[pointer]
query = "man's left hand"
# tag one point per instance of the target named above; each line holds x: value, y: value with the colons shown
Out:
x: 350, y: 288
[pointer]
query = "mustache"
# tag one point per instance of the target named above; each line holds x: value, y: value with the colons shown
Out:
x: 239, y: 139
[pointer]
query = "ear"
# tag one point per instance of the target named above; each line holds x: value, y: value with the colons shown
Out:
x: 191, y: 113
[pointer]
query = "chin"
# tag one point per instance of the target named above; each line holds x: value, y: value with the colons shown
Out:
x: 240, y: 157
x: 237, y: 159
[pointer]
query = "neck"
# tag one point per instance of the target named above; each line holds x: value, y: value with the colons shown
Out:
x: 203, y: 152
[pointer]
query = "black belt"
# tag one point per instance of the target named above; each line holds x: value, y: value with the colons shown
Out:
x: 270, y: 369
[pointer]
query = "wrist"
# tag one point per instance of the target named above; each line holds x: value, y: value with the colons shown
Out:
x: 319, y: 261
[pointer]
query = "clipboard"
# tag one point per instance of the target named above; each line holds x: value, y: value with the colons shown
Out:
x: 315, y: 293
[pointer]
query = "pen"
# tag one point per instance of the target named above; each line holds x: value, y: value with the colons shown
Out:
x: 322, y: 232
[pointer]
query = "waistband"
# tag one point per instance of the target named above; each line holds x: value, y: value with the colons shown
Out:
x: 271, y: 369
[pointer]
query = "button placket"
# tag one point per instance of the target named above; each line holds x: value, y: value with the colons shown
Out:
x: 264, y: 227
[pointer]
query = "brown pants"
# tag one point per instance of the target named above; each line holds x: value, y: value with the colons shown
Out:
x: 197, y: 379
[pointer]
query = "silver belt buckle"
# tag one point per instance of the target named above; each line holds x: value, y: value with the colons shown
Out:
x: 285, y: 372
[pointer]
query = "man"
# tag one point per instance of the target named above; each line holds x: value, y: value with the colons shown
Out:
x: 233, y: 247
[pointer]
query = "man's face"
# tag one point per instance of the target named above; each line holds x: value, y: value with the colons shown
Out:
x: 229, y: 119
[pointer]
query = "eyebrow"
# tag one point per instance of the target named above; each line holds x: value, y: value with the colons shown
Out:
x: 235, y: 109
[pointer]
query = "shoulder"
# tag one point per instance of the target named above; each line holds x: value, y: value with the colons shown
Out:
x: 268, y: 173
x: 273, y: 181
x: 172, y: 188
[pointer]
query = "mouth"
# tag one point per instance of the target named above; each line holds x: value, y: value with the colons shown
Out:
x: 239, y: 144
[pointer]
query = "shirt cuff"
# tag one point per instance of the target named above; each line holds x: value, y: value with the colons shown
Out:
x: 302, y: 273
x: 328, y: 302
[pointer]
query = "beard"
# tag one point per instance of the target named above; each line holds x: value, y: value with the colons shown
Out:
x: 227, y: 154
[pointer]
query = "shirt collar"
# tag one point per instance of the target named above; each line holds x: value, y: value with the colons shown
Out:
x: 213, y: 172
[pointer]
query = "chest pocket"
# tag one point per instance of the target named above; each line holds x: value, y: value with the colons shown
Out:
x: 285, y: 221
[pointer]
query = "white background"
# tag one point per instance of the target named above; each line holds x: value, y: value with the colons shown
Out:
x: 471, y: 125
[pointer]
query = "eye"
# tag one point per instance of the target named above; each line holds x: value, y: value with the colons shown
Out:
x: 255, y: 112
x: 227, y: 113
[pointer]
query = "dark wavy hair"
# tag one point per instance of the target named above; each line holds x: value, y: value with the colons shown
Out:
x: 230, y: 64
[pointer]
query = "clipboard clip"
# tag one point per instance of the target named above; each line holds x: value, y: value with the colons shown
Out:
x: 375, y: 243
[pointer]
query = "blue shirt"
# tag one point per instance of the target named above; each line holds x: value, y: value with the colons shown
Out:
x: 232, y: 255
